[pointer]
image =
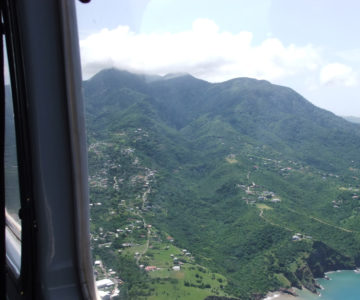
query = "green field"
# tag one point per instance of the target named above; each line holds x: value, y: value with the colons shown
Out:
x: 191, y: 282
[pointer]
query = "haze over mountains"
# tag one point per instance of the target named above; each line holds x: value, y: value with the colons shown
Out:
x: 352, y: 119
x: 238, y: 169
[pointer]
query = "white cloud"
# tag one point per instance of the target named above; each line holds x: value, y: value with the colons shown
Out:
x: 204, y: 51
x: 352, y: 55
x: 338, y: 74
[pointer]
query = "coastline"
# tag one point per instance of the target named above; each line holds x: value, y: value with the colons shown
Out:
x: 280, y: 295
x: 303, y: 294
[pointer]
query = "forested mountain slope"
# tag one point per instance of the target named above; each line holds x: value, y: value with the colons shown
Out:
x: 258, y: 184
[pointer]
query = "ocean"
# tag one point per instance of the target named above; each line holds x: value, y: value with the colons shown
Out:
x: 343, y: 285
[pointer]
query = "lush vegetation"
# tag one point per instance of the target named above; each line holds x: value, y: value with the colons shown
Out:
x: 259, y: 186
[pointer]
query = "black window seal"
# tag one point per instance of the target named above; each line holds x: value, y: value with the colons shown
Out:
x: 26, y: 282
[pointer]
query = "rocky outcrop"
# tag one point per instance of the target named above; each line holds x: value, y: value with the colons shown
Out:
x: 288, y: 291
x: 306, y: 277
x: 323, y: 259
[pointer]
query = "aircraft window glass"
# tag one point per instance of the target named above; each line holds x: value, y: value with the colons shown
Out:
x: 12, y: 190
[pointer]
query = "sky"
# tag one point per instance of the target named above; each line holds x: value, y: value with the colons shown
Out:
x: 312, y: 46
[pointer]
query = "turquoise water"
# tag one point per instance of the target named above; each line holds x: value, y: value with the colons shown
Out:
x: 344, y: 285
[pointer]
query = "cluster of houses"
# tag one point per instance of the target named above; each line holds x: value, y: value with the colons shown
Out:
x: 177, y: 263
x: 254, y: 194
x: 354, y: 196
x: 105, y: 239
x: 99, y: 180
x: 154, y: 268
x: 284, y: 167
x: 106, y: 291
x: 107, y: 287
x: 270, y: 196
x: 140, y: 133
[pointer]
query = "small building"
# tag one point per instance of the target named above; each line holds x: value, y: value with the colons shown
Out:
x: 275, y: 200
x: 296, y: 238
x: 97, y: 262
x: 176, y: 268
x: 150, y: 268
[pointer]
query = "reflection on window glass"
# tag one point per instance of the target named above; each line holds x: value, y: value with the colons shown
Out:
x: 12, y: 194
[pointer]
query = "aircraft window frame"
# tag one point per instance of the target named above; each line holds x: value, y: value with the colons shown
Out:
x: 55, y: 248
x: 20, y: 244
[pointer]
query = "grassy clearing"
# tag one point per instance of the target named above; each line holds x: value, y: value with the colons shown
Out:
x: 160, y: 255
x: 231, y: 160
x: 133, y: 250
x: 263, y: 206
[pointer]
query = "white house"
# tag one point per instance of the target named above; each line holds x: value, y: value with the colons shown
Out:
x: 104, y: 283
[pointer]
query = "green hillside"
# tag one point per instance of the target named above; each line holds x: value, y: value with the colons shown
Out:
x: 231, y: 172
